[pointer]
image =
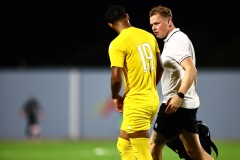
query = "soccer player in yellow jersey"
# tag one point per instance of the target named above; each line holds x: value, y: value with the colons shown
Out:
x: 135, y: 54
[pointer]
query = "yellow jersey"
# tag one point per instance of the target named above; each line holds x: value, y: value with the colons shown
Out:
x: 135, y: 51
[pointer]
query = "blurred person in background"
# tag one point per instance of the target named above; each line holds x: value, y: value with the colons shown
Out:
x: 32, y: 112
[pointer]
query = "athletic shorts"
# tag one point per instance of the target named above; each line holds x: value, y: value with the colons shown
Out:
x: 138, y: 118
x: 32, y: 119
x: 169, y: 125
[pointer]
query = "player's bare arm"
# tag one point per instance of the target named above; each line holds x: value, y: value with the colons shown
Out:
x: 116, y: 84
x: 188, y: 79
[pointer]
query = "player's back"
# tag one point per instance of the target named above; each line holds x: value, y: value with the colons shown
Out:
x: 139, y: 47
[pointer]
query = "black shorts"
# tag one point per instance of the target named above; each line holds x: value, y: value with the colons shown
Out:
x: 172, y: 124
x: 32, y: 119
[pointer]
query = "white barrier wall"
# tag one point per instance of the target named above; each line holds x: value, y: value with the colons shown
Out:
x: 77, y: 102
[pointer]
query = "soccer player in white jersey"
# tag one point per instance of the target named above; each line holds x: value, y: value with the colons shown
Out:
x: 134, y: 54
x: 178, y: 111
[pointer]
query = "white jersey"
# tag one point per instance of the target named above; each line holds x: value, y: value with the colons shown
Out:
x: 177, y: 47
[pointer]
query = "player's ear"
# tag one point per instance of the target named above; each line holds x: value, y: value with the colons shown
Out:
x: 110, y: 25
x: 127, y: 16
x: 169, y: 20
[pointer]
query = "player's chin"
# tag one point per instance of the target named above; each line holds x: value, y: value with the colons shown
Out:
x: 156, y: 34
x: 159, y: 35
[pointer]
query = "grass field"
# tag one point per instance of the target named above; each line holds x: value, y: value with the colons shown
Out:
x: 90, y: 150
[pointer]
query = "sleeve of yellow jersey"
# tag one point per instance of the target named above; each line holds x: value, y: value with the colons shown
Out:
x: 157, y: 48
x: 116, y: 55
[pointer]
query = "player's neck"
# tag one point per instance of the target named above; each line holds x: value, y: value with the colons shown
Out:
x: 121, y: 26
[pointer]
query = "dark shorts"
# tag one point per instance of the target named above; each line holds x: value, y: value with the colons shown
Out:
x: 32, y: 120
x: 172, y: 124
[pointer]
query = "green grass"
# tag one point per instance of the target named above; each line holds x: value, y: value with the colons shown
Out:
x: 90, y: 150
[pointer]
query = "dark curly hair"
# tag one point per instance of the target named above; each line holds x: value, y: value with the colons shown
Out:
x: 115, y: 13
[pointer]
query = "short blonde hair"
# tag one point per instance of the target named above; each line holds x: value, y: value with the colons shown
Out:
x: 161, y: 10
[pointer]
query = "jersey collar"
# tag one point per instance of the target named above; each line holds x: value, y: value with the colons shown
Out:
x: 171, y: 33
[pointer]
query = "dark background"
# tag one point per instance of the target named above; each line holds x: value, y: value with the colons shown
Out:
x: 59, y: 33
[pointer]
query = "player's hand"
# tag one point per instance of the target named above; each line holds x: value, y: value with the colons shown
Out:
x: 173, y: 104
x: 118, y: 102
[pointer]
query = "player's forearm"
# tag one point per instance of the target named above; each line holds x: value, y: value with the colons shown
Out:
x: 116, y: 81
x: 188, y: 79
x: 115, y: 88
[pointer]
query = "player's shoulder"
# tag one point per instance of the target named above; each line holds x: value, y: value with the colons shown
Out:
x: 144, y: 31
x: 180, y: 35
x: 116, y: 42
